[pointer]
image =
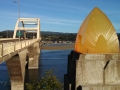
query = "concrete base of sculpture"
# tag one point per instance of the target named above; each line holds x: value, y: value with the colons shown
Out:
x: 92, y: 72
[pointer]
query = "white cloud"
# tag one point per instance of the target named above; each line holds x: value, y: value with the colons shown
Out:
x: 59, y: 7
x: 61, y: 21
x: 44, y: 19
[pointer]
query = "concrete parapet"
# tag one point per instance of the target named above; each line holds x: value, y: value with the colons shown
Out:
x: 10, y: 47
x: 93, y: 71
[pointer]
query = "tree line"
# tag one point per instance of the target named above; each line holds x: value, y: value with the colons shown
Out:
x: 59, y: 37
x: 46, y: 36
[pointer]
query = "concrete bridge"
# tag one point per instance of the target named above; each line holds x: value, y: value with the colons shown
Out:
x: 14, y: 51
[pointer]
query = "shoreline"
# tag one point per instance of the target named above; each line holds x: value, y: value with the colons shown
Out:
x: 58, y: 47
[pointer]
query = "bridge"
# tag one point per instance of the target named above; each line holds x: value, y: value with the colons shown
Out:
x: 94, y: 64
x: 14, y: 51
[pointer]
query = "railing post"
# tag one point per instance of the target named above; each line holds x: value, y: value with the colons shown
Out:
x: 21, y: 44
x: 14, y: 45
x: 25, y: 43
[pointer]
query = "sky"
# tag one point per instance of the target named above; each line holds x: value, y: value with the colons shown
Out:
x: 57, y: 15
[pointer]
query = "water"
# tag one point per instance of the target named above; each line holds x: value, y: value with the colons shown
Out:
x: 48, y: 59
x: 4, y: 77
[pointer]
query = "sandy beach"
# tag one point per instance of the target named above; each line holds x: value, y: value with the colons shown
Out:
x: 58, y: 47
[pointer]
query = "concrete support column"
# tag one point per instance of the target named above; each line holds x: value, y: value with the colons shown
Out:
x: 16, y: 69
x: 24, y: 34
x: 33, y: 52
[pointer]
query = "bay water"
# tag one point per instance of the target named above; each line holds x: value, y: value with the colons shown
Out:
x: 56, y: 59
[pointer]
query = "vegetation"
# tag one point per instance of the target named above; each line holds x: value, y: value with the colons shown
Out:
x: 7, y: 33
x: 46, y: 36
x: 47, y: 82
x: 59, y: 37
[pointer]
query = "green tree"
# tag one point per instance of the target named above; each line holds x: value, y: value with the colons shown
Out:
x: 47, y: 82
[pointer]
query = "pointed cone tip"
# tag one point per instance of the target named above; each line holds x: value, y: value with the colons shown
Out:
x: 96, y: 9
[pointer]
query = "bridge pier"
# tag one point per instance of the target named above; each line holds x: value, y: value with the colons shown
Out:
x: 33, y: 53
x: 16, y: 69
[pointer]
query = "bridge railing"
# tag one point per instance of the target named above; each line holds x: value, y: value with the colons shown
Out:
x: 7, y: 48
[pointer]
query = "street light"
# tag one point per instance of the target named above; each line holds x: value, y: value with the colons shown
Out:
x: 7, y: 31
x: 18, y: 1
x: 33, y: 31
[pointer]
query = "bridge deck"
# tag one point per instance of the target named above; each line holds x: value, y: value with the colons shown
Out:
x: 11, y: 40
x: 9, y: 48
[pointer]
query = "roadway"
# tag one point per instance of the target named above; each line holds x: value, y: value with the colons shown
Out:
x: 6, y: 40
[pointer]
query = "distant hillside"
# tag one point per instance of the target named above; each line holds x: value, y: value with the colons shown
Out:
x: 10, y: 32
x: 4, y: 33
x: 54, y: 33
x: 42, y: 32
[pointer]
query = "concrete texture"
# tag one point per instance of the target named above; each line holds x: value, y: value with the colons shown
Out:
x: 33, y: 53
x: 15, y: 73
x: 16, y: 62
x: 15, y: 53
x: 23, y: 27
x: 9, y: 49
x: 93, y: 72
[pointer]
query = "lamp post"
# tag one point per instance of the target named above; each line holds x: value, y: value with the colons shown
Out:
x: 33, y: 32
x: 18, y: 1
x: 7, y: 32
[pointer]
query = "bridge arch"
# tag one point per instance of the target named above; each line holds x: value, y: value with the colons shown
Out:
x: 26, y: 25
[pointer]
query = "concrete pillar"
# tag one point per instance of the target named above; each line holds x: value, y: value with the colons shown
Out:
x: 33, y: 52
x: 16, y: 69
x: 24, y: 34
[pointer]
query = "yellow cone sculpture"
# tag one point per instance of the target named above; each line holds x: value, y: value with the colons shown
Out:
x: 97, y: 34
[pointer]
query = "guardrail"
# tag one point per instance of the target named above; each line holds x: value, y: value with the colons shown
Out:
x: 7, y: 48
x: 6, y: 39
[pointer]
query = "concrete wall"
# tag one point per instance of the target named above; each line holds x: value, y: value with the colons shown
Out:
x: 70, y: 77
x: 94, y: 71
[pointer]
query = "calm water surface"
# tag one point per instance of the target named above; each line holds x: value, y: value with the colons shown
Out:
x: 48, y: 59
